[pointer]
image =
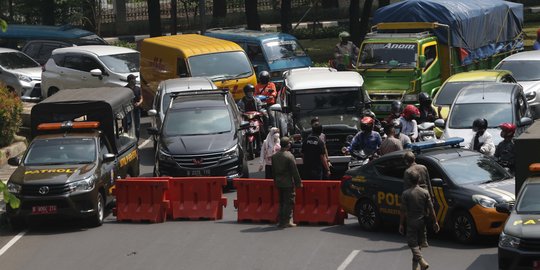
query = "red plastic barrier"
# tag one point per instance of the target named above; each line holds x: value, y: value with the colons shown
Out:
x: 257, y: 200
x: 197, y: 197
x: 318, y: 202
x: 141, y: 199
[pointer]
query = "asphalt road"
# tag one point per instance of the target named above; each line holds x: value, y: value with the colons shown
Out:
x: 226, y: 244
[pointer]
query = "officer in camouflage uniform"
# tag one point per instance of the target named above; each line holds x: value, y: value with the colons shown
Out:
x: 286, y: 179
x: 416, y: 206
x: 421, y: 170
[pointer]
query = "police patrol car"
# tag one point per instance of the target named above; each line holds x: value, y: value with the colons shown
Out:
x: 467, y: 186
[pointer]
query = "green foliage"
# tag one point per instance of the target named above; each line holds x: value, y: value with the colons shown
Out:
x: 3, y: 25
x: 318, y: 32
x: 13, y: 201
x: 10, y: 115
x: 125, y: 44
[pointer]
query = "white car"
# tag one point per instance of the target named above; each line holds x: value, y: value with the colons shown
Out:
x: 20, y: 73
x: 88, y: 67
x: 525, y: 67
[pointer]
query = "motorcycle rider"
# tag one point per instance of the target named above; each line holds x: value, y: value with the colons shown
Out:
x: 266, y: 88
x: 427, y: 113
x: 249, y: 103
x: 345, y: 52
x: 391, y: 143
x: 482, y: 141
x: 367, y: 140
x: 505, y: 153
x: 395, y: 112
x: 405, y: 140
x: 408, y: 122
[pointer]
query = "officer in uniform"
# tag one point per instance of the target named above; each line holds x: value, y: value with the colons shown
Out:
x: 314, y: 155
x: 286, y: 178
x: 413, y: 170
x: 416, y: 206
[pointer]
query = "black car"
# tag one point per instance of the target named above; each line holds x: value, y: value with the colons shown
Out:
x: 201, y: 135
x: 519, y: 243
x: 467, y: 186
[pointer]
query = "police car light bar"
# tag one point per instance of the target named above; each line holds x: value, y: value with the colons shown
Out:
x: 68, y: 125
x: 454, y: 141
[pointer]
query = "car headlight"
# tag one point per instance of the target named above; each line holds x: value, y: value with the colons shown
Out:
x: 506, y: 240
x: 164, y: 156
x: 14, y: 188
x: 410, y: 97
x: 82, y: 185
x: 484, y: 201
x: 24, y: 78
x: 231, y: 153
x: 530, y: 95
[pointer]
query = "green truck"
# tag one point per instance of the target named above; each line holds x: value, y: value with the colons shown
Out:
x: 414, y: 45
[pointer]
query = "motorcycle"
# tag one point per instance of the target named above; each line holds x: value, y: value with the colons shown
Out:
x: 358, y: 158
x: 426, y: 131
x: 254, y: 133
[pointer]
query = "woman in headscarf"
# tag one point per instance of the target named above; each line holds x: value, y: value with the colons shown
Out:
x: 269, y: 147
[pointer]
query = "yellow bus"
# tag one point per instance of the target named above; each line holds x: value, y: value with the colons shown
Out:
x: 192, y: 55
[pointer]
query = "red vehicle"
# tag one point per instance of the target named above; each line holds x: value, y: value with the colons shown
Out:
x: 254, y: 133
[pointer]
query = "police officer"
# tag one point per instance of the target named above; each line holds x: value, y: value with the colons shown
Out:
x: 505, y: 153
x: 137, y: 102
x: 416, y: 207
x: 286, y: 178
x: 314, y: 154
x: 415, y: 170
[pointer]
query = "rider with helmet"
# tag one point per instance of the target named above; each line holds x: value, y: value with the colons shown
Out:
x: 427, y: 113
x: 482, y: 141
x: 395, y: 112
x: 367, y: 140
x: 345, y: 52
x: 405, y: 140
x: 249, y: 102
x: 505, y: 153
x: 408, y: 121
x: 266, y: 88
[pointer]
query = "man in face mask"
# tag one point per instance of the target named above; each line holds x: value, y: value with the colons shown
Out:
x: 405, y: 140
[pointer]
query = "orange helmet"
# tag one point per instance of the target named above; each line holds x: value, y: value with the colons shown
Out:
x: 508, y: 128
x: 366, y: 120
x: 411, y: 111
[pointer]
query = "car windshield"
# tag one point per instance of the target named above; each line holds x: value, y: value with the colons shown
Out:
x: 463, y: 115
x: 473, y: 169
x: 16, y: 60
x: 197, y: 121
x: 395, y: 55
x: 528, y: 201
x: 449, y: 91
x: 219, y: 66
x: 283, y: 49
x: 523, y: 70
x: 332, y: 106
x: 122, y: 63
x: 61, y: 151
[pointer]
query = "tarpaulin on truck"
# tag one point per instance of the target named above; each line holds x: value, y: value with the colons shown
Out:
x: 482, y: 27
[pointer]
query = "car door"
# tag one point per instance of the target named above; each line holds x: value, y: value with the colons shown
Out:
x: 442, y: 193
x: 76, y: 71
x: 388, y: 186
x: 108, y: 169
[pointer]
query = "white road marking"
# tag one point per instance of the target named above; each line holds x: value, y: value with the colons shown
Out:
x: 348, y: 260
x: 145, y: 142
x: 11, y: 242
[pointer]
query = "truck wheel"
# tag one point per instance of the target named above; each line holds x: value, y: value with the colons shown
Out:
x: 463, y: 228
x: 97, y: 219
x: 368, y: 215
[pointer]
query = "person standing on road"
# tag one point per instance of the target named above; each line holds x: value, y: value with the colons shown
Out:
x: 415, y: 170
x: 323, y: 139
x: 286, y: 179
x: 482, y: 141
x: 137, y: 102
x: 314, y: 154
x: 416, y: 209
x: 269, y: 147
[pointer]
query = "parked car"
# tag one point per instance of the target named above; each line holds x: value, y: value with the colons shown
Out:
x: 88, y: 67
x: 524, y: 66
x: 20, y: 73
x: 162, y: 100
x: 496, y: 102
x: 271, y: 51
x: 466, y: 187
x: 201, y: 135
x: 519, y: 242
x: 41, y: 50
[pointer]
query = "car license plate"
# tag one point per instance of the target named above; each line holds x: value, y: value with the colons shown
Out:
x: 198, y: 173
x: 44, y: 209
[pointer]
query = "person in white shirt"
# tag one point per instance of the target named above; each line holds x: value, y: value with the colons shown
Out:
x: 482, y: 141
x: 409, y: 126
x: 269, y: 147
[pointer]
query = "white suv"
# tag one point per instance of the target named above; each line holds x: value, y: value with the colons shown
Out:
x: 88, y: 67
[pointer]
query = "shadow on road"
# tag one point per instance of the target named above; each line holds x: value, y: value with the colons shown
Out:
x: 484, y: 261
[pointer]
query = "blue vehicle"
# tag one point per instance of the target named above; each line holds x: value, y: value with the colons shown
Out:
x: 270, y: 51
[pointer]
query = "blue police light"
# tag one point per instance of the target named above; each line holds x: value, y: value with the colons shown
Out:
x: 454, y: 141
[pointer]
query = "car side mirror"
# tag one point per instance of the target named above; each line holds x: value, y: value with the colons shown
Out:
x: 437, y: 182
x: 152, y: 112
x: 422, y: 61
x: 14, y: 161
x: 153, y: 131
x: 503, y: 208
x: 439, y: 123
x: 96, y: 73
x: 244, y: 125
x: 108, y: 157
x: 276, y: 108
x: 525, y: 121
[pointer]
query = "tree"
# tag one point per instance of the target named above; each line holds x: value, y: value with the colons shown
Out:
x: 47, y: 12
x: 364, y: 22
x: 219, y: 9
x: 252, y: 15
x: 354, y: 20
x: 286, y: 26
x: 154, y: 18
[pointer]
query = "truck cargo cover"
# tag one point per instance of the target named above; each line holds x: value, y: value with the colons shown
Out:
x: 484, y: 26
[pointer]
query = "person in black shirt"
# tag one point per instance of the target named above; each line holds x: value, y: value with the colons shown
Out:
x: 314, y: 154
x: 137, y: 102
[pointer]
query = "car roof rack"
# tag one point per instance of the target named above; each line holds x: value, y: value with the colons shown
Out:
x: 199, y: 92
x: 452, y: 142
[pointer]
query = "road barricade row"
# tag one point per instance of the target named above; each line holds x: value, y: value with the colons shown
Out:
x: 141, y: 199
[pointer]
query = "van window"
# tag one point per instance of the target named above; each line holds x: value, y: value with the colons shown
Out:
x: 125, y: 130
x: 431, y: 54
x: 255, y: 53
x: 15, y: 60
x: 218, y: 65
x: 182, y: 68
x: 283, y: 49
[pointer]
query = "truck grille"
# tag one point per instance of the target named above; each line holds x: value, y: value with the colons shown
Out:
x: 198, y: 161
x: 334, y: 143
x: 530, y: 244
x: 33, y: 190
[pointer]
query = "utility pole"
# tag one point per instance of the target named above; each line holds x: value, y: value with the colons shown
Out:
x: 202, y: 13
x: 174, y: 15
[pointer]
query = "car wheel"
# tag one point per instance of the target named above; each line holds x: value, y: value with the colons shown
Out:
x: 97, y: 219
x: 52, y: 91
x: 463, y: 228
x: 368, y: 215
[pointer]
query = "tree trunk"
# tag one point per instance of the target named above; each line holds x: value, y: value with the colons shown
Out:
x: 252, y: 15
x: 89, y: 8
x: 364, y: 22
x: 331, y: 3
x: 154, y: 18
x: 47, y: 12
x: 219, y: 9
x: 354, y: 21
x: 383, y: 3
x: 286, y: 26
